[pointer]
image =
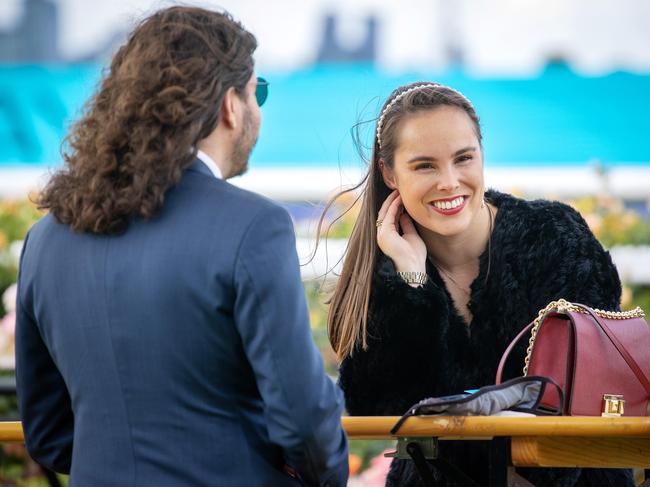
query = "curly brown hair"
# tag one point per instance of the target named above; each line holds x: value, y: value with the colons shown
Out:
x: 139, y: 132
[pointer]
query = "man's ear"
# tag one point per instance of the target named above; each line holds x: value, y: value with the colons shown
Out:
x: 229, y: 108
x: 387, y: 174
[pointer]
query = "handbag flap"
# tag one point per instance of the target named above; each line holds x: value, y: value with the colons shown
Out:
x: 601, y: 369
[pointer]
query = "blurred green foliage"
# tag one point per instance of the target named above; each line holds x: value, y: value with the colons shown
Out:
x: 613, y: 223
x: 16, y: 218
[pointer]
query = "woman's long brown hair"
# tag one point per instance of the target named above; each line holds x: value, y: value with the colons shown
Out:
x: 139, y: 132
x: 349, y: 304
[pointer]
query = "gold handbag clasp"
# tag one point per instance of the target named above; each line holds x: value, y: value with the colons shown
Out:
x: 613, y: 405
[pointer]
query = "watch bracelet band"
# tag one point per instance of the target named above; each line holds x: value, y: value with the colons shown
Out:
x: 414, y: 277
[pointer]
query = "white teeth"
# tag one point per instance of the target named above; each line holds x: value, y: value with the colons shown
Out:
x: 448, y: 205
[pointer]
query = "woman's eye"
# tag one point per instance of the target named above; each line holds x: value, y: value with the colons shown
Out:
x: 464, y: 158
x: 424, y: 165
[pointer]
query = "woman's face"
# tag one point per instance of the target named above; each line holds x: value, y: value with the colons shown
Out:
x: 438, y: 170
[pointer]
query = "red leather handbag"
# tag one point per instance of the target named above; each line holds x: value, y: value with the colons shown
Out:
x: 600, y: 359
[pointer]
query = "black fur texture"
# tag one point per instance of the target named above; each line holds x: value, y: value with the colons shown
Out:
x: 420, y: 347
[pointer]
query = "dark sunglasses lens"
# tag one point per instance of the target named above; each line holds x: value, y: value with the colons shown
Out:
x: 262, y: 91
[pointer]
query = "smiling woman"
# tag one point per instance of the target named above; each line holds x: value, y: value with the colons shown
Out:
x: 438, y: 172
x: 440, y: 274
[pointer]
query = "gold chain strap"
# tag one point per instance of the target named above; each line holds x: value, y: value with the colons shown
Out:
x: 563, y: 306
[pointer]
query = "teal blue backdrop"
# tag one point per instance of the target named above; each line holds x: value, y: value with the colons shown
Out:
x: 555, y: 118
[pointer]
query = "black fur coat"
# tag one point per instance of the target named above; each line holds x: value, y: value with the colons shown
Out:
x: 419, y: 346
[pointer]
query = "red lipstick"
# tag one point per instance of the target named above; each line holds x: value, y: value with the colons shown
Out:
x: 451, y: 211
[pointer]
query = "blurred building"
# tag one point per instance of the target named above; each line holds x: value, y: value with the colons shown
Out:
x: 490, y: 37
x: 33, y: 37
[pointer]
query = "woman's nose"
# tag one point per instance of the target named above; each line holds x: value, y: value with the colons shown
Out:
x: 448, y: 179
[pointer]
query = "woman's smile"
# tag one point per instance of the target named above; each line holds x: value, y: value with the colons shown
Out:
x: 449, y: 206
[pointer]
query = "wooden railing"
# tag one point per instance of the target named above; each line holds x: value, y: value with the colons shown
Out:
x: 535, y: 441
x: 11, y: 431
x: 566, y: 441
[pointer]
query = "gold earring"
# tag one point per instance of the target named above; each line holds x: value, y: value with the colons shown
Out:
x: 483, y: 203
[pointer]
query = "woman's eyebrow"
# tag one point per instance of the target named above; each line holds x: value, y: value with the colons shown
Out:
x: 469, y: 148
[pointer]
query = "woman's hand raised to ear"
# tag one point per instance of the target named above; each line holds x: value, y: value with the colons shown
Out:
x: 407, y: 251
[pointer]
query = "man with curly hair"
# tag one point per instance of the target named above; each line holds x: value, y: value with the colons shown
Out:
x: 162, y: 330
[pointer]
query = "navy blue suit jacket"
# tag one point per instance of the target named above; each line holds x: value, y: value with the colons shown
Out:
x: 177, y: 353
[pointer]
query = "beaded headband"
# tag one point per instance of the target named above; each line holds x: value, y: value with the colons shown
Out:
x: 401, y: 95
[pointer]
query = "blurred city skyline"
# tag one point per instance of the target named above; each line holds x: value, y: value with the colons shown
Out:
x: 485, y: 37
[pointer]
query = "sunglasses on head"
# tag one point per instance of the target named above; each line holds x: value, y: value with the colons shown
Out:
x: 261, y: 91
